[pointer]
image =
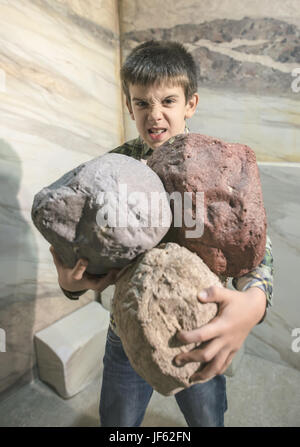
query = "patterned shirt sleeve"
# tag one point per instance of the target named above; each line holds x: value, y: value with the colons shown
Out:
x: 261, y: 276
x: 134, y: 148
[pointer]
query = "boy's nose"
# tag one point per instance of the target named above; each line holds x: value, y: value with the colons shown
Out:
x: 155, y: 114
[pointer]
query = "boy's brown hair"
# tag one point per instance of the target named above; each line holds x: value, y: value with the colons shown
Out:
x: 160, y: 61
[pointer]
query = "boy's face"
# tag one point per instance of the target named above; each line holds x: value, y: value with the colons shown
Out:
x: 159, y: 111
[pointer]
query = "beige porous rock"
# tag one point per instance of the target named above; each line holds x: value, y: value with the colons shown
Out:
x: 229, y: 233
x: 155, y: 298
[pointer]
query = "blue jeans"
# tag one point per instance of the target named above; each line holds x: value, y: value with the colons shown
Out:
x: 125, y: 395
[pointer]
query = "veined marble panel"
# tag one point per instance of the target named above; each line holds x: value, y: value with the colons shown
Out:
x: 248, y: 59
x: 100, y: 12
x: 60, y: 105
x: 142, y: 14
x: 270, y: 125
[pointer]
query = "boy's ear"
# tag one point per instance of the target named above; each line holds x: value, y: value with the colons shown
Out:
x: 191, y: 105
x: 128, y: 104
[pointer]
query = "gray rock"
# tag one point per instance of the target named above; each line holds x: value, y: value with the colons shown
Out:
x: 105, y: 210
x: 155, y: 297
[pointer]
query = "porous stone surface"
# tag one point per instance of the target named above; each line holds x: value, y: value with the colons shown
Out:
x: 233, y: 239
x: 69, y: 351
x: 103, y: 210
x: 155, y: 297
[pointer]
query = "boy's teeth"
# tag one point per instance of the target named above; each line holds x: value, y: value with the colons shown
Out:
x: 157, y: 131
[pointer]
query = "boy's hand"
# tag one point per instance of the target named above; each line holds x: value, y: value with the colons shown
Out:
x: 76, y: 279
x: 238, y: 313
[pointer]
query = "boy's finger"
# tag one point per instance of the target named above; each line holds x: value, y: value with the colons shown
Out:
x: 212, y: 368
x: 204, y: 354
x: 113, y: 274
x: 214, y: 294
x: 207, y: 332
x: 102, y: 284
x: 79, y: 269
x: 108, y: 279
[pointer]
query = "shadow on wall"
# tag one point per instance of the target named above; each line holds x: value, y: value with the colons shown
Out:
x: 18, y: 273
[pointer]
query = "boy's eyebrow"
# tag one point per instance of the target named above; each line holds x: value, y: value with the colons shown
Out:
x: 146, y: 100
x: 138, y: 99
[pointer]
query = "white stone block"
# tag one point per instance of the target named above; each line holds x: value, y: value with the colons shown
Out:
x: 105, y: 297
x: 70, y: 351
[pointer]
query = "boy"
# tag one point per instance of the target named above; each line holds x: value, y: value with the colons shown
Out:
x: 160, y: 84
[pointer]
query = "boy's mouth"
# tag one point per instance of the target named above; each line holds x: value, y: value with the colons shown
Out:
x: 156, y: 133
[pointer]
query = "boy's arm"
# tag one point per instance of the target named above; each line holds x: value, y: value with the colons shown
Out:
x: 238, y: 313
x: 261, y: 277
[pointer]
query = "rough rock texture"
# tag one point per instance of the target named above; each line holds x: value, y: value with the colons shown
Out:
x: 155, y: 297
x: 234, y: 233
x: 94, y: 212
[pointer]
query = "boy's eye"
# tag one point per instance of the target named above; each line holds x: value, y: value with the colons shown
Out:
x: 169, y: 101
x: 141, y: 103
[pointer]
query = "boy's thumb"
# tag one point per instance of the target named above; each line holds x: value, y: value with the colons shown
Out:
x: 79, y: 269
x: 213, y: 294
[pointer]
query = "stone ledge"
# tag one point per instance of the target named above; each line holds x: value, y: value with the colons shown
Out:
x: 69, y: 352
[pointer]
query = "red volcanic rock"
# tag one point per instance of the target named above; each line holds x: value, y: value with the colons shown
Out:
x: 233, y: 239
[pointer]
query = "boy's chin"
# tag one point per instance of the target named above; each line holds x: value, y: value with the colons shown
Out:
x: 156, y: 144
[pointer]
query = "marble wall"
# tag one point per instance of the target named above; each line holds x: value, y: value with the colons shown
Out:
x: 60, y: 105
x: 246, y: 53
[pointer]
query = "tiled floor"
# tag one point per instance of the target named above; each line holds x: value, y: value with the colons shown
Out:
x: 261, y: 394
